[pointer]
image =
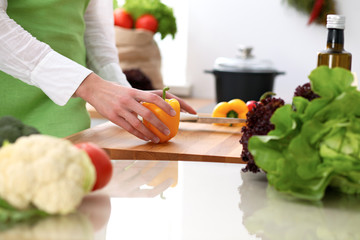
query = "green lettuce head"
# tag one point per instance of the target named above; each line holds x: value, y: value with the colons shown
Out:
x: 315, y: 144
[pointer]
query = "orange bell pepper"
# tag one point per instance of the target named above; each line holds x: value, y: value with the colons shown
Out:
x: 171, y: 122
x: 235, y: 108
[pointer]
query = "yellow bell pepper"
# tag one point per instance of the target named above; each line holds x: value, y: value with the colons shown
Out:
x: 235, y: 108
x: 171, y: 122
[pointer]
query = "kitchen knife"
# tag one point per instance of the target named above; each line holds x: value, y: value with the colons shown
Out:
x: 185, y: 117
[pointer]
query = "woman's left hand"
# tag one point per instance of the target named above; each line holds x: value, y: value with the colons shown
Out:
x: 122, y: 105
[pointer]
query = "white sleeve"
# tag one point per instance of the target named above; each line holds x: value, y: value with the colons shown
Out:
x: 102, y: 55
x: 33, y: 62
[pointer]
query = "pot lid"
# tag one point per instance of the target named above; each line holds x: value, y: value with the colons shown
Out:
x: 244, y: 62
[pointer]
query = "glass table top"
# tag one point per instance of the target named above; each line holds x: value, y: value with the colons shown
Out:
x: 165, y: 200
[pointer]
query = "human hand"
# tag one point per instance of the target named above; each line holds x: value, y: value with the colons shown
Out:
x: 184, y: 106
x: 122, y: 106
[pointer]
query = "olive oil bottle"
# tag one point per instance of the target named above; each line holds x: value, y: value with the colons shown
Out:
x: 335, y: 55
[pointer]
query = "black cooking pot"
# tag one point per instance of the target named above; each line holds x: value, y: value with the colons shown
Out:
x: 243, y: 77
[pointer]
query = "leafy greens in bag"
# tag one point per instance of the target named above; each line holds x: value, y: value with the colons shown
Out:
x: 163, y: 14
x: 315, y: 144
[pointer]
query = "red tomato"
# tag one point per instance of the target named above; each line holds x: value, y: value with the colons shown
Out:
x: 147, y: 22
x: 101, y: 162
x: 251, y: 104
x: 122, y: 18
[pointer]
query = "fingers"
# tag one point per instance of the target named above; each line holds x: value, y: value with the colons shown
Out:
x: 145, y: 113
x: 136, y: 127
x: 157, y: 100
x: 184, y: 106
x: 122, y: 106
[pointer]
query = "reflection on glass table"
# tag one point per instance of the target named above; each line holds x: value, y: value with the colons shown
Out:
x: 130, y: 178
x: 160, y: 200
x: 202, y: 204
x: 142, y: 179
x: 91, y: 216
x: 271, y: 215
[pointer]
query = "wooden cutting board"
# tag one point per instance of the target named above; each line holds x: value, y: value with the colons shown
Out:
x: 194, y: 142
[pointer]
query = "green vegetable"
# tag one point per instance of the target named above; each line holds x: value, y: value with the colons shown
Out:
x: 10, y: 215
x: 306, y: 7
x: 315, y: 144
x: 115, y: 4
x: 36, y: 225
x: 12, y: 128
x: 163, y: 14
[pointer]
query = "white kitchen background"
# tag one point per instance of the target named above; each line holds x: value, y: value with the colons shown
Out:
x: 208, y: 29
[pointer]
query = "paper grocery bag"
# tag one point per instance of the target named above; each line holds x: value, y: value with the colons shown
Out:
x: 137, y: 49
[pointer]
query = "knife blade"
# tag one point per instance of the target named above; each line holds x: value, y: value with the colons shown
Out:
x: 185, y: 117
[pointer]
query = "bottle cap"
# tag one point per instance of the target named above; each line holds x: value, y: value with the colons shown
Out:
x: 335, y: 21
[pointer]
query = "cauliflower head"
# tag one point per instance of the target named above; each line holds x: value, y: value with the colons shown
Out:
x: 46, y: 172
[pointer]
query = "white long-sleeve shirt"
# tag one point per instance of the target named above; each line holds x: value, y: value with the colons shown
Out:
x: 33, y: 62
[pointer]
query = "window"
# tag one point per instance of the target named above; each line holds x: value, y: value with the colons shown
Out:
x: 174, y: 51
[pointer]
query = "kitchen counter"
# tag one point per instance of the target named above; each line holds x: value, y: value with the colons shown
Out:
x: 195, y: 200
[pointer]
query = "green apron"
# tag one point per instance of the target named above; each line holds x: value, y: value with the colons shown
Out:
x: 59, y: 23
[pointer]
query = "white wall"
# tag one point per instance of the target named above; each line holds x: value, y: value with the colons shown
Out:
x: 275, y: 30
